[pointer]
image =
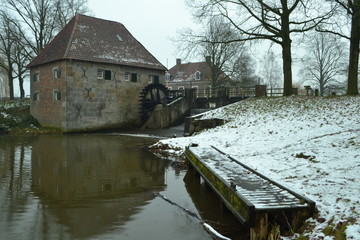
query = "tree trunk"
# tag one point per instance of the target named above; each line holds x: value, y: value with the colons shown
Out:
x: 11, y: 83
x: 286, y: 55
x: 354, y: 50
x: 21, y: 86
x: 286, y: 49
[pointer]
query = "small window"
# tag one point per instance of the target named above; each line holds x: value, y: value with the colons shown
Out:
x: 57, y: 73
x: 156, y: 79
x: 167, y: 77
x: 197, y: 75
x: 35, y: 77
x: 150, y: 79
x: 107, y: 74
x: 57, y: 95
x: 100, y: 74
x: 134, y: 77
x: 35, y: 96
x: 127, y: 76
x: 181, y: 88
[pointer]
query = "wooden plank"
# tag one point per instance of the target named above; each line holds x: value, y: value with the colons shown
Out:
x: 254, y: 192
x: 237, y: 204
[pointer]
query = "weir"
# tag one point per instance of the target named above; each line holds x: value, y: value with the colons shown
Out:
x: 256, y: 201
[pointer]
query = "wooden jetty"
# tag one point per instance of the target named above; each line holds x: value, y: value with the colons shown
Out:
x: 253, y: 198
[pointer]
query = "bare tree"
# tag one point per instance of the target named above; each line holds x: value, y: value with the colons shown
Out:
x: 271, y: 70
x: 6, y: 49
x: 68, y: 9
x: 43, y: 19
x: 243, y: 72
x: 324, y: 61
x: 212, y: 45
x: 32, y: 25
x: 21, y: 55
x: 266, y: 19
x: 351, y: 8
x: 4, y: 86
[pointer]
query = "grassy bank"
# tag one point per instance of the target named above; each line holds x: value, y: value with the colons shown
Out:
x: 15, y: 119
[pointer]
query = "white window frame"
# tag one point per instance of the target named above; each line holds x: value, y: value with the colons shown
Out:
x: 127, y: 76
x: 100, y: 74
x: 198, y: 75
x: 56, y: 73
x: 167, y: 77
x: 56, y: 96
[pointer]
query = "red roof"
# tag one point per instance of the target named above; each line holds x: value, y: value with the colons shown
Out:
x: 96, y: 40
x: 186, y: 71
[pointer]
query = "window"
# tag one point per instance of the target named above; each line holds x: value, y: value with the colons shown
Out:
x: 167, y: 77
x: 127, y: 78
x: 107, y: 74
x: 35, y: 77
x: 134, y: 77
x: 35, y: 96
x: 181, y: 88
x: 100, y: 74
x: 104, y: 74
x: 57, y: 73
x: 57, y: 95
x: 197, y: 75
x: 156, y: 79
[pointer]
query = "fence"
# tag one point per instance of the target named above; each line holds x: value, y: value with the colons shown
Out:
x: 221, y: 92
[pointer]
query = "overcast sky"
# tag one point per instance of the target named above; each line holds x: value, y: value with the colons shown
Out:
x: 152, y: 22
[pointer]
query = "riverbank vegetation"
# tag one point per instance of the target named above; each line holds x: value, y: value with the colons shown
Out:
x: 15, y: 119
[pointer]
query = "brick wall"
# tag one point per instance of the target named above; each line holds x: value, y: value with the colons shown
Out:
x: 48, y: 110
x: 89, y: 102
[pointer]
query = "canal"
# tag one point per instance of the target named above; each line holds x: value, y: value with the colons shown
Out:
x: 101, y: 186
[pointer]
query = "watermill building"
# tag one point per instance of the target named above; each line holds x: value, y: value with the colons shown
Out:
x: 90, y: 77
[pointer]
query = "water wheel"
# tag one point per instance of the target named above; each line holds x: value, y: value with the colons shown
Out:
x: 151, y: 96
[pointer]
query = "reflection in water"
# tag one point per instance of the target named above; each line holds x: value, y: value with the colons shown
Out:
x: 95, y: 178
x: 99, y: 187
x: 83, y: 187
x: 211, y: 209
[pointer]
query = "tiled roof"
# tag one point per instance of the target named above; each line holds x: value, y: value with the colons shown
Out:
x: 186, y: 71
x: 96, y: 40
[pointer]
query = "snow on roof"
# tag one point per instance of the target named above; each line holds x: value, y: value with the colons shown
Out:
x: 96, y: 40
x: 309, y: 144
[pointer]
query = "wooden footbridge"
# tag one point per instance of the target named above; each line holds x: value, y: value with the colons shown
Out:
x: 254, y: 199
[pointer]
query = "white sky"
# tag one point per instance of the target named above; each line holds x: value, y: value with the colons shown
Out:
x: 153, y: 23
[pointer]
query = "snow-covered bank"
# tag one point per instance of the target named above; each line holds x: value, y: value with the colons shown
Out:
x: 311, y: 145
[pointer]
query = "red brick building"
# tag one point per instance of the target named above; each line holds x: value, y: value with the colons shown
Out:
x: 191, y: 75
x: 90, y: 77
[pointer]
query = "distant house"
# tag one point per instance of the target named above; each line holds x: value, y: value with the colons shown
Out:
x: 90, y: 77
x: 190, y: 75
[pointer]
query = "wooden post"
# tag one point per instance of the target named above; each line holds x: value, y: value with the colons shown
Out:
x: 260, y: 230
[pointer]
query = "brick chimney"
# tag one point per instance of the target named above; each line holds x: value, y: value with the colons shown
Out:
x: 208, y: 59
x: 178, y: 61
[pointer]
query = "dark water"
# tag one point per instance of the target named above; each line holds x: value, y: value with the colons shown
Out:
x: 100, y: 187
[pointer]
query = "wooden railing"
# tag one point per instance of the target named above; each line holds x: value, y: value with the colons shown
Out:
x: 221, y: 92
